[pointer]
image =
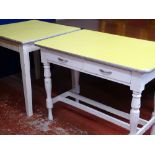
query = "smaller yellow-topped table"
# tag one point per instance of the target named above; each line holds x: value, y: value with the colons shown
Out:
x: 33, y: 30
x: 120, y: 59
x: 20, y: 37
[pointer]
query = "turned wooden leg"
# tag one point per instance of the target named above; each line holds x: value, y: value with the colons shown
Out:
x: 26, y: 78
x: 134, y: 113
x: 48, y: 88
x: 153, y: 115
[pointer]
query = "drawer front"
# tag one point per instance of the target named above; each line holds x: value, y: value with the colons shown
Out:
x: 107, y: 72
x: 65, y: 60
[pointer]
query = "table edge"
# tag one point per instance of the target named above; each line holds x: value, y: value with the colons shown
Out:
x: 99, y: 61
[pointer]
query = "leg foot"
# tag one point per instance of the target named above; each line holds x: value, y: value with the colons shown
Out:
x: 50, y: 116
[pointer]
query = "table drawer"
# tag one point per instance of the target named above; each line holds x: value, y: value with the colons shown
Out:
x: 107, y: 72
x: 65, y: 60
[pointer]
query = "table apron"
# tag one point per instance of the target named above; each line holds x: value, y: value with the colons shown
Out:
x: 15, y: 46
x: 12, y: 45
x: 92, y: 68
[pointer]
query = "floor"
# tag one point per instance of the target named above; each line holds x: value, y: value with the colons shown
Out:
x: 67, y: 120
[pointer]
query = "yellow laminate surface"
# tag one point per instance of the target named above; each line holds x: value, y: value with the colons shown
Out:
x: 33, y: 30
x: 122, y: 51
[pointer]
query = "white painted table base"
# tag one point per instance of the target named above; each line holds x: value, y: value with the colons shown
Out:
x: 24, y: 50
x: 134, y: 79
x: 20, y: 37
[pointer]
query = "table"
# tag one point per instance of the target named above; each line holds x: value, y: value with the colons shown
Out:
x: 116, y: 58
x: 20, y: 37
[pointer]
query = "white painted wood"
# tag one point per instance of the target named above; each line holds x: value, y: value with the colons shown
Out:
x: 30, y: 47
x: 48, y: 88
x: 147, y: 77
x: 43, y: 55
x: 57, y: 98
x: 9, y: 44
x: 80, y: 64
x: 135, y: 112
x: 27, y: 47
x: 153, y: 115
x: 63, y: 59
x: 95, y: 112
x: 137, y: 82
x: 25, y: 67
x: 146, y: 127
x: 107, y: 72
x: 63, y: 98
x: 36, y: 55
x: 134, y: 79
x: 96, y: 104
x: 24, y: 51
x: 104, y: 107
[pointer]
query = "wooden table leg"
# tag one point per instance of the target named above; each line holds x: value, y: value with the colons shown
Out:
x: 153, y: 115
x: 48, y: 88
x: 135, y: 112
x: 25, y: 67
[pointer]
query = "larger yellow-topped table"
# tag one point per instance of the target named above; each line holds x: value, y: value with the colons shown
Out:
x: 108, y: 48
x: 20, y: 37
x: 120, y: 59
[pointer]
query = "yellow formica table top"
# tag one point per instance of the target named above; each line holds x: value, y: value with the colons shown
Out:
x: 117, y: 50
x: 33, y: 30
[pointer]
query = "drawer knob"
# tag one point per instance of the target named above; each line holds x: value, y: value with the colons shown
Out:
x: 105, y: 72
x: 63, y: 60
